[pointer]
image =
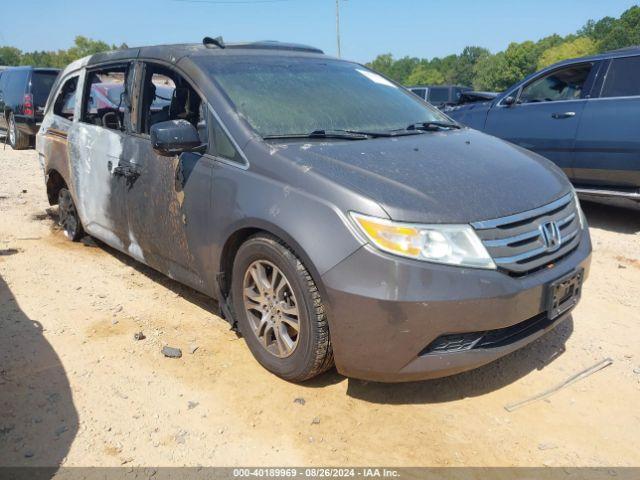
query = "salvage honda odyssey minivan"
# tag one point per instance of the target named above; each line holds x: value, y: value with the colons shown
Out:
x: 335, y: 217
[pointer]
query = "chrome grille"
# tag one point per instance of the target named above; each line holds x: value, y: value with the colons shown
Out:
x: 517, y: 243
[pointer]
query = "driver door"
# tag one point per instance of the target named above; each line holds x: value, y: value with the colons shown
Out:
x: 168, y: 198
x: 545, y: 114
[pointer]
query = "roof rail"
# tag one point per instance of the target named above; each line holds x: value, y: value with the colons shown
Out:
x: 218, y: 42
x: 275, y: 45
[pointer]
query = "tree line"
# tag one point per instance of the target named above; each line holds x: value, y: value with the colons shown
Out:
x: 82, y: 47
x: 475, y: 66
x: 479, y: 68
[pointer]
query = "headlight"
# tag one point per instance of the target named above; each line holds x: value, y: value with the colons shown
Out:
x: 449, y: 244
x: 581, y: 217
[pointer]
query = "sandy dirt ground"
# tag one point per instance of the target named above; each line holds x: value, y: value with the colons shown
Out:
x: 76, y: 389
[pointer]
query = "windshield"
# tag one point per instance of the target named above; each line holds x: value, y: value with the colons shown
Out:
x: 280, y: 97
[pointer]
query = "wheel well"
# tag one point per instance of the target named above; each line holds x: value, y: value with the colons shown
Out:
x: 55, y: 182
x: 229, y: 254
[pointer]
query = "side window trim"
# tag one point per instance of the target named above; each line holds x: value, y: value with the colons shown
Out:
x: 589, y: 82
x: 78, y: 75
x: 143, y: 64
x: 603, y: 80
x: 243, y: 165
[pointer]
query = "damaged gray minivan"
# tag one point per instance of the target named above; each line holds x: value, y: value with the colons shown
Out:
x: 333, y: 215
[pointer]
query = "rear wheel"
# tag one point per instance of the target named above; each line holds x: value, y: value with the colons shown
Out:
x: 17, y: 139
x: 279, y: 310
x: 68, y: 218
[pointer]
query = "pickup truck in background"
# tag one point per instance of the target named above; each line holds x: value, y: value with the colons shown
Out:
x: 439, y: 95
x: 583, y: 114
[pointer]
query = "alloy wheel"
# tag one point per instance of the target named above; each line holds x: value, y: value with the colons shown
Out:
x: 68, y: 216
x: 12, y: 130
x: 271, y: 308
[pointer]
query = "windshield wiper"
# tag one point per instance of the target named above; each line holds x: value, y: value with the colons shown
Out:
x: 344, y: 134
x: 432, y: 125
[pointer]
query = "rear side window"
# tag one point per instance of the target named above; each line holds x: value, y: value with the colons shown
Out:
x: 623, y: 78
x: 16, y: 84
x: 564, y: 84
x: 421, y: 92
x: 41, y: 84
x: 439, y: 95
x: 65, y: 102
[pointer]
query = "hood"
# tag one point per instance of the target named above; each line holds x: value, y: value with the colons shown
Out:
x: 458, y: 176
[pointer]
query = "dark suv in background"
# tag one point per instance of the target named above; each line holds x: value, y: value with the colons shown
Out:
x: 583, y: 114
x: 23, y: 96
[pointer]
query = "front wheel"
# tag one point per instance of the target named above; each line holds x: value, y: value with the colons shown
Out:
x: 279, y: 310
x: 68, y: 217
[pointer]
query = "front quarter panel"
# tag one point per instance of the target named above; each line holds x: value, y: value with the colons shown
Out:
x: 319, y: 233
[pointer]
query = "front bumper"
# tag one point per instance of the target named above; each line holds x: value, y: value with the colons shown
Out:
x: 385, y: 311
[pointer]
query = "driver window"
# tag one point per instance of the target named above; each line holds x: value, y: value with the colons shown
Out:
x: 564, y: 84
x: 106, y: 101
x: 166, y: 95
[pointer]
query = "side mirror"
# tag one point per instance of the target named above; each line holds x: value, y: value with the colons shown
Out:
x: 175, y: 137
x: 509, y: 101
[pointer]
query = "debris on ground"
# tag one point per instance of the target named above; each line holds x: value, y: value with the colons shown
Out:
x: 139, y: 336
x: 191, y: 405
x: 300, y: 400
x: 193, y: 348
x: 171, y: 352
x: 578, y: 376
x: 547, y: 446
x: 315, y: 421
x: 181, y: 437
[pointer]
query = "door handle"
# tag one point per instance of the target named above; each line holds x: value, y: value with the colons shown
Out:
x: 560, y: 116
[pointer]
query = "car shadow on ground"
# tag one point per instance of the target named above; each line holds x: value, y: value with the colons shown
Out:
x: 614, y: 219
x: 491, y: 377
x: 38, y: 420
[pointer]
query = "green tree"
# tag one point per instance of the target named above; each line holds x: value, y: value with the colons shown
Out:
x: 10, y: 56
x: 382, y: 64
x: 423, y: 74
x: 623, y: 33
x: 489, y: 73
x: 461, y: 72
x: 579, y: 47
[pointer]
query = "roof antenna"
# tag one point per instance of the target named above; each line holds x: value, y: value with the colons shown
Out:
x: 209, y: 42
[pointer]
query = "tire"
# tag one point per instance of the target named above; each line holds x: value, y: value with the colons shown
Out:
x: 68, y: 217
x: 311, y: 353
x: 17, y: 139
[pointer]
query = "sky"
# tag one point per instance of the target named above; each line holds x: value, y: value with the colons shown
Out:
x: 424, y: 29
